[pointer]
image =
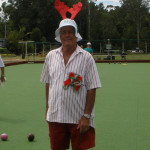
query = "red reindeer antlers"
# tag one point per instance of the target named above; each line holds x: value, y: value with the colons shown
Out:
x: 76, y: 8
x: 62, y: 9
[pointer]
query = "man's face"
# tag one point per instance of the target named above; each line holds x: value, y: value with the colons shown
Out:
x: 67, y: 35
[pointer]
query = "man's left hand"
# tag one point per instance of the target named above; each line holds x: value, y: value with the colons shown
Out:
x: 2, y: 78
x: 84, y: 125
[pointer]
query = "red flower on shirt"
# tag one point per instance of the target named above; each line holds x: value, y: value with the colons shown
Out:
x: 67, y: 82
x: 80, y: 78
x: 77, y: 88
x: 71, y: 75
x: 73, y: 80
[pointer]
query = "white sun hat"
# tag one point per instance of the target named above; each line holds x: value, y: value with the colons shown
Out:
x: 88, y: 43
x: 67, y: 22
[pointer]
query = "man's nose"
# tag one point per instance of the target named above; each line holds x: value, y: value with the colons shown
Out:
x: 67, y: 33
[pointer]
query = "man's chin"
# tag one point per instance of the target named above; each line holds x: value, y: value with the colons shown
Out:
x: 68, y: 43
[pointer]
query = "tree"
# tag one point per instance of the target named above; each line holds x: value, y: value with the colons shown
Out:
x: 36, y: 35
x: 136, y: 10
x: 12, y: 42
x: 31, y: 14
x: 37, y: 20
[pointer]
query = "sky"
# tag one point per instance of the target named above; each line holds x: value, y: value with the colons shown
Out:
x: 105, y: 2
x: 109, y: 2
x: 1, y: 1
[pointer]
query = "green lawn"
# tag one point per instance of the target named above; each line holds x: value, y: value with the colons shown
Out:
x: 122, y: 107
x: 39, y: 58
x: 128, y: 57
x: 121, y: 112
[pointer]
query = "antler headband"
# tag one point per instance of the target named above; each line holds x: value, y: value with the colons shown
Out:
x: 62, y: 9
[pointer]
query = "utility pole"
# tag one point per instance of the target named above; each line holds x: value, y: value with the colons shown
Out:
x: 89, y: 20
x: 5, y: 29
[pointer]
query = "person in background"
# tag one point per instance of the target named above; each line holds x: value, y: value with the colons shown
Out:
x: 123, y: 55
x: 89, y: 49
x: 2, y: 66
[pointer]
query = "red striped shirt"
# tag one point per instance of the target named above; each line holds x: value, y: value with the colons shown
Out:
x: 67, y: 106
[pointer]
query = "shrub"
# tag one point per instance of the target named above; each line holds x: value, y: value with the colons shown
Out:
x: 4, y: 51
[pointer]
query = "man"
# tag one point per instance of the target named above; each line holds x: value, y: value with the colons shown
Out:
x: 89, y: 49
x: 2, y: 78
x: 70, y: 112
x: 123, y: 55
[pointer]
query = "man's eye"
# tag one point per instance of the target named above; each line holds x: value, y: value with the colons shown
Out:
x: 63, y: 32
x: 70, y: 32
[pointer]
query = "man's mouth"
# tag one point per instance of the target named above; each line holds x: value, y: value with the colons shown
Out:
x: 67, y: 39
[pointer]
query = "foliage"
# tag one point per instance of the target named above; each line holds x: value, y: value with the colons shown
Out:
x: 12, y: 42
x: 37, y: 20
x: 4, y: 51
x: 36, y: 35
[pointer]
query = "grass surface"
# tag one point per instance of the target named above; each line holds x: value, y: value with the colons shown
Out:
x: 121, y: 112
x: 122, y: 107
x: 128, y: 57
x: 22, y: 108
x: 38, y: 58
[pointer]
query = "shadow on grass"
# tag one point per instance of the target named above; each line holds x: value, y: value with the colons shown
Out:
x: 10, y: 120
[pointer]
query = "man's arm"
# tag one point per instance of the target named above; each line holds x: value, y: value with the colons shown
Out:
x: 84, y: 123
x: 47, y: 95
x: 2, y: 74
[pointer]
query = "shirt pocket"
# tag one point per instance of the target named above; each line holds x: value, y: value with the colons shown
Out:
x: 55, y: 71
